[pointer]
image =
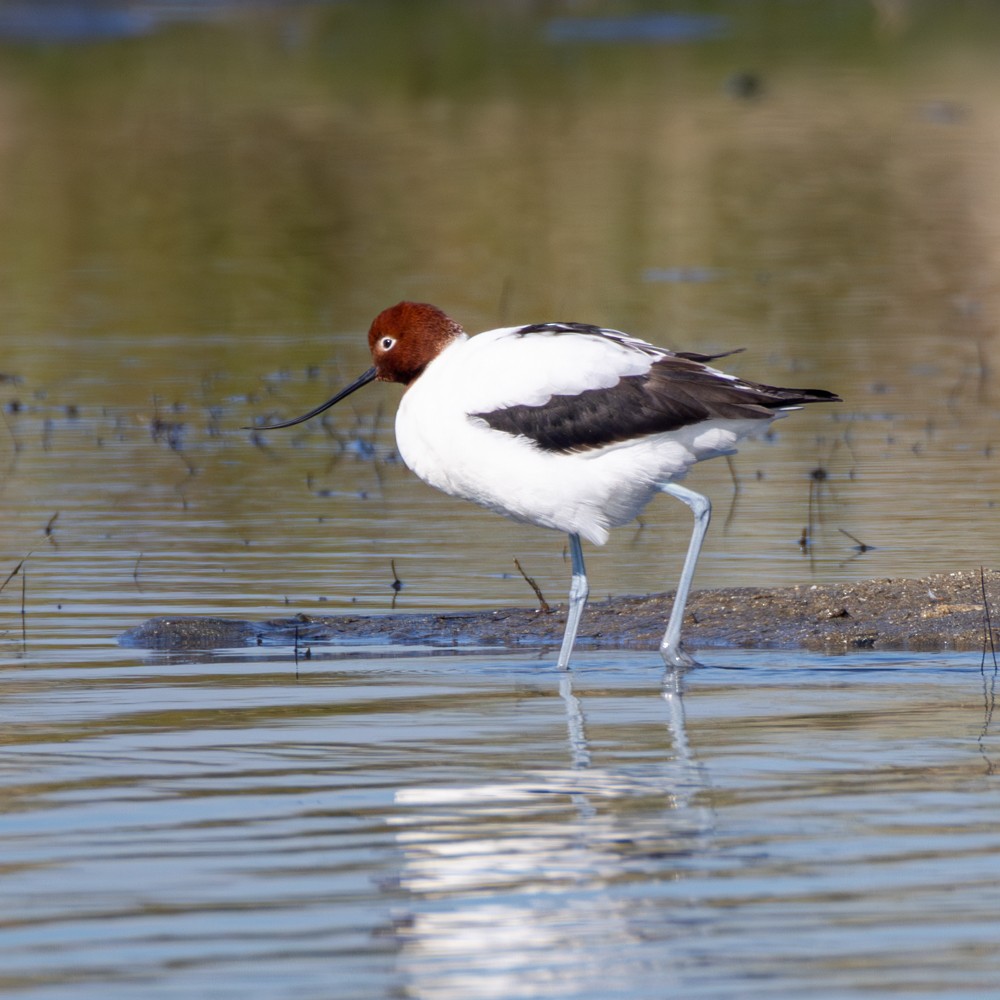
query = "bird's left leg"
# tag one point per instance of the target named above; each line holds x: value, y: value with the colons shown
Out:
x: 670, y: 646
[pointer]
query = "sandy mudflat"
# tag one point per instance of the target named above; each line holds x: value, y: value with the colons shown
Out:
x: 944, y: 611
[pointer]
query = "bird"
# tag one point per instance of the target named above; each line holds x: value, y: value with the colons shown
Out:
x: 567, y: 426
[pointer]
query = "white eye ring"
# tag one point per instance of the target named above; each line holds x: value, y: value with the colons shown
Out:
x: 387, y: 343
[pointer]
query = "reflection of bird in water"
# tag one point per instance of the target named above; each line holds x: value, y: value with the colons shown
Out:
x: 563, y: 425
x: 507, y: 882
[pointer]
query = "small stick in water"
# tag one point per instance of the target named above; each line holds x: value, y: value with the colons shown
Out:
x: 13, y: 572
x: 543, y: 605
x: 397, y: 584
x: 861, y: 546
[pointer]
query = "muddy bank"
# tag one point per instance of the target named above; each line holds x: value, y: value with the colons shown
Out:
x: 945, y: 611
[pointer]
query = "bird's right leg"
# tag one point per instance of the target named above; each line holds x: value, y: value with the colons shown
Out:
x: 578, y: 591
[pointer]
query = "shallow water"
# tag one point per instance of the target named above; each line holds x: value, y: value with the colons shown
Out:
x: 475, y: 826
x: 202, y: 210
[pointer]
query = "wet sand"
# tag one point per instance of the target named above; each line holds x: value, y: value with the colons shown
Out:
x: 941, y: 612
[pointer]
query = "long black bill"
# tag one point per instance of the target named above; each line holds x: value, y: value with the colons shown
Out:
x: 369, y: 376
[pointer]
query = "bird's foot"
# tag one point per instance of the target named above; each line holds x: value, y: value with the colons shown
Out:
x: 677, y: 656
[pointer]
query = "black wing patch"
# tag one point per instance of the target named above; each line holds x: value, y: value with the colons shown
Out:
x: 677, y: 391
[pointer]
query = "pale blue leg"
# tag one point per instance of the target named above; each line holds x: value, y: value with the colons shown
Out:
x: 670, y: 647
x: 578, y: 591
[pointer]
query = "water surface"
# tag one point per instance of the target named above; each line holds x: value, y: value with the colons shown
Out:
x: 201, y: 213
x: 473, y: 826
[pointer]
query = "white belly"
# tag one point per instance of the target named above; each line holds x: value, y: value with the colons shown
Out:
x: 585, y: 492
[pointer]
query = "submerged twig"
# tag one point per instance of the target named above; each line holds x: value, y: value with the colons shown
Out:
x: 819, y: 477
x: 307, y: 655
x: 734, y: 475
x: 19, y: 568
x: 737, y: 491
x: 14, y: 572
x: 640, y: 527
x: 816, y: 477
x: 397, y: 584
x: 543, y: 605
x: 861, y: 546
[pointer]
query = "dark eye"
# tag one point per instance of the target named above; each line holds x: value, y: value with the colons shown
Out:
x: 386, y: 343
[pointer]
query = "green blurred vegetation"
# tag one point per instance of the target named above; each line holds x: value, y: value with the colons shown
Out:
x: 290, y: 171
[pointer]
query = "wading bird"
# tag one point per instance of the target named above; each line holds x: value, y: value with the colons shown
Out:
x: 563, y: 425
